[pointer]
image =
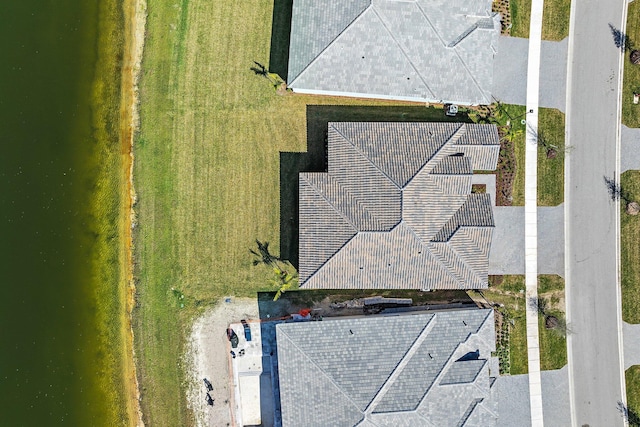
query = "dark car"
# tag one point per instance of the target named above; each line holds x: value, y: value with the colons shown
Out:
x: 207, y: 384
x: 233, y: 337
x: 209, y: 399
x: 247, y: 330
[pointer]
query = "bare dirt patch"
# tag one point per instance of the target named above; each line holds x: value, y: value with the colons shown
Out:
x: 207, y: 357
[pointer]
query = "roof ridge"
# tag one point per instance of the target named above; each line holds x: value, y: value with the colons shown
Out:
x: 403, y: 51
x: 426, y: 17
x: 319, y: 193
x: 426, y: 247
x: 466, y: 67
x: 328, y: 377
x: 329, y: 45
x: 399, y: 369
x: 437, y: 152
x: 464, y: 64
x: 362, y: 153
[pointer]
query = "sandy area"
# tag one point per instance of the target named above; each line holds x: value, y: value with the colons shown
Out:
x: 134, y: 25
x: 207, y: 357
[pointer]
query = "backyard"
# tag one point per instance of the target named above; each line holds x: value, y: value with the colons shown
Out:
x: 216, y: 168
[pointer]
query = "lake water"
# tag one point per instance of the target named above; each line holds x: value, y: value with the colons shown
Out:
x: 53, y: 362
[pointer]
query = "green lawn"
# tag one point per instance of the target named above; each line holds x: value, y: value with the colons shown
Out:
x: 553, y: 345
x: 506, y: 291
x: 555, y: 19
x: 633, y: 393
x: 551, y: 171
x: 510, y: 291
x: 631, y: 82
x: 630, y: 250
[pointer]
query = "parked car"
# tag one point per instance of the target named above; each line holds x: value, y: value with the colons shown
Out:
x: 233, y: 337
x: 209, y: 400
x: 207, y: 384
x: 247, y: 330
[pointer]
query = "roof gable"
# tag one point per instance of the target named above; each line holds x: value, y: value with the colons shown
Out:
x: 439, y: 51
x: 315, y: 24
x: 396, y: 370
x: 397, y: 194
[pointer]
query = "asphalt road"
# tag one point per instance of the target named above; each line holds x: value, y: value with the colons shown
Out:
x: 591, y: 224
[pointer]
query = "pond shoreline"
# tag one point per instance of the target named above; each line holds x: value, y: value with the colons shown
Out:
x: 134, y: 26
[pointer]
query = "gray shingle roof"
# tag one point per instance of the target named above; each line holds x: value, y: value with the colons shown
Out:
x: 432, y: 50
x: 394, y: 209
x: 387, y: 370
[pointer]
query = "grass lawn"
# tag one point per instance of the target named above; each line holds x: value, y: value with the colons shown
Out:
x: 551, y: 171
x: 555, y: 19
x: 630, y: 251
x: 631, y: 82
x: 633, y: 392
x: 510, y: 291
x: 553, y: 345
x: 217, y: 159
x: 507, y: 292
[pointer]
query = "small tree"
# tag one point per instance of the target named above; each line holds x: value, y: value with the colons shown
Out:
x: 285, y: 275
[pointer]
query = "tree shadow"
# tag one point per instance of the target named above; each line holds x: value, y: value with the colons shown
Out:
x: 620, y: 39
x: 315, y: 159
x: 280, y: 34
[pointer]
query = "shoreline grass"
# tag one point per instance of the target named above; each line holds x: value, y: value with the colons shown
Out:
x: 109, y: 226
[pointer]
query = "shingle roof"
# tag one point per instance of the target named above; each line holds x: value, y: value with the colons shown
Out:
x: 386, y: 370
x: 432, y: 50
x: 394, y: 209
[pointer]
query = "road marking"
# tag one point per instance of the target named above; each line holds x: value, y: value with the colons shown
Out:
x: 623, y: 26
x: 567, y: 190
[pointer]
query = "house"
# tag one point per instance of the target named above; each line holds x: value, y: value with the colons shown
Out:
x: 427, y: 369
x: 416, y: 50
x: 395, y: 208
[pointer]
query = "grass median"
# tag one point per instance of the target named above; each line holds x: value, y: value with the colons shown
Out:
x: 555, y: 19
x: 630, y: 250
x: 631, y: 80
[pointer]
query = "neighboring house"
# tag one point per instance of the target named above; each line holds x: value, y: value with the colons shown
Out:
x: 418, y: 50
x: 430, y: 369
x: 395, y: 209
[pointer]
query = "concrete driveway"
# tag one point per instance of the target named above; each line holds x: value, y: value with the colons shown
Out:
x: 510, y: 72
x: 630, y: 149
x: 507, y: 245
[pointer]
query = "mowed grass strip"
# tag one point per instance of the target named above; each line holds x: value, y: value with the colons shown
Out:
x: 553, y: 343
x: 631, y: 80
x: 555, y: 19
x: 630, y: 250
x: 551, y: 171
x: 632, y: 377
x: 217, y: 158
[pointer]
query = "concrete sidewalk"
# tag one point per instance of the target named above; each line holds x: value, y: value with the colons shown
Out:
x: 531, y: 213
